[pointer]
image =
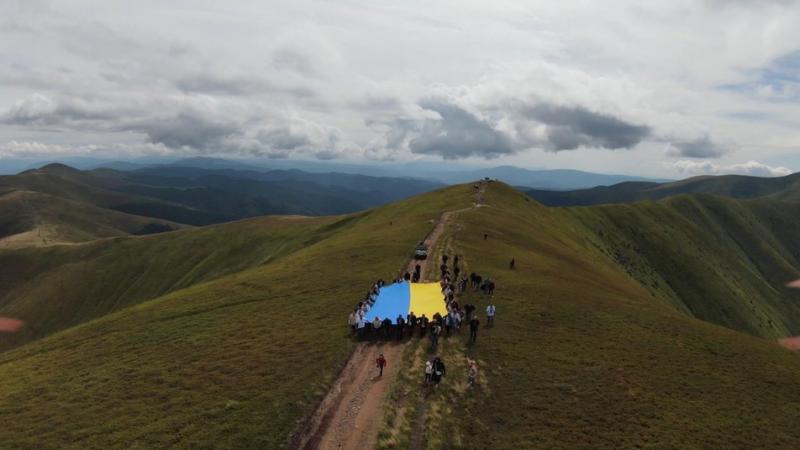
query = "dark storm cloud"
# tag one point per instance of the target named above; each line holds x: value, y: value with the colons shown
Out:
x: 283, y: 139
x: 702, y: 147
x: 39, y: 110
x: 458, y: 134
x: 572, y: 127
x: 184, y: 129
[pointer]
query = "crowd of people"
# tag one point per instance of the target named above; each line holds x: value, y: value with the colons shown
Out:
x: 456, y: 316
x: 435, y: 327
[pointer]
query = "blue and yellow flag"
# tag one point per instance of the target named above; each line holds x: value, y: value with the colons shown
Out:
x: 403, y: 298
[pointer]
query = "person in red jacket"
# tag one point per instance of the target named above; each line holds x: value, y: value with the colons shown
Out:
x: 381, y: 363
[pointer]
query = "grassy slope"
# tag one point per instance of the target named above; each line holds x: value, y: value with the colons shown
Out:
x: 53, y: 288
x: 582, y: 356
x: 234, y: 363
x: 93, y: 189
x: 66, y: 221
x: 721, y: 260
x: 737, y: 186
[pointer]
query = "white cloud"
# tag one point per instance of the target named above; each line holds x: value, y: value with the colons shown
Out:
x: 351, y: 80
x: 753, y: 168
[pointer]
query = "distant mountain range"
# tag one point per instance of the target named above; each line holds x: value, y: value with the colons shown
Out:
x: 559, y: 179
x: 437, y: 172
x: 736, y: 186
x: 58, y: 203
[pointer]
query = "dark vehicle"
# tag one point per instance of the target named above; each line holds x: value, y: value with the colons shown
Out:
x: 421, y: 252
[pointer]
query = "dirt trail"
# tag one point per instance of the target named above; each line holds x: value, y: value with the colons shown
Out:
x: 350, y: 415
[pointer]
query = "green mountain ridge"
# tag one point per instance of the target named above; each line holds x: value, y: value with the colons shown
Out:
x: 736, y: 186
x: 227, y: 336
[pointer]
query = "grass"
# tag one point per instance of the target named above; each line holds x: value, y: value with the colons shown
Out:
x: 237, y: 362
x: 583, y: 356
x: 53, y: 288
x: 587, y: 351
x: 721, y: 260
x: 60, y: 221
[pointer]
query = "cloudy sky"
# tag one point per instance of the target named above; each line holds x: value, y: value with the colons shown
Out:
x: 669, y: 89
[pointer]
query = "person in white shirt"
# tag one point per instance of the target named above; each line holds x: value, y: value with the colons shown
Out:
x: 360, y: 325
x: 351, y: 320
x: 428, y: 372
x: 490, y: 311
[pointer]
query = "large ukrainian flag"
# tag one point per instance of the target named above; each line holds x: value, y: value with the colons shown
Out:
x: 403, y: 298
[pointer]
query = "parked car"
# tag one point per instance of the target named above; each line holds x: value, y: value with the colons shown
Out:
x: 421, y: 252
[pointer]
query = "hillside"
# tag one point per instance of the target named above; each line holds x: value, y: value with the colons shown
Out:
x: 235, y: 362
x: 735, y: 186
x: 236, y: 347
x: 196, y: 196
x: 64, y: 182
x: 30, y: 218
x: 57, y: 287
x: 582, y: 356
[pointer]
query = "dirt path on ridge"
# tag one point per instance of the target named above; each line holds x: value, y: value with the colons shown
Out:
x: 350, y: 415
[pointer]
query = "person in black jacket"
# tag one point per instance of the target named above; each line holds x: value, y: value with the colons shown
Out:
x: 401, y: 324
x: 439, y: 370
x: 387, y: 328
x: 473, y: 328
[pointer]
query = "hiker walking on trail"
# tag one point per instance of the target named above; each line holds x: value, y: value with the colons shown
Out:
x: 436, y: 330
x: 428, y: 372
x: 380, y: 363
x: 473, y: 329
x: 512, y: 264
x: 490, y: 311
x: 438, y: 370
x: 469, y: 308
x: 472, y: 372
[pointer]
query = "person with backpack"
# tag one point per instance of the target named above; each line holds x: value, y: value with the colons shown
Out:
x: 473, y: 328
x: 490, y: 312
x: 439, y: 370
x: 380, y: 363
